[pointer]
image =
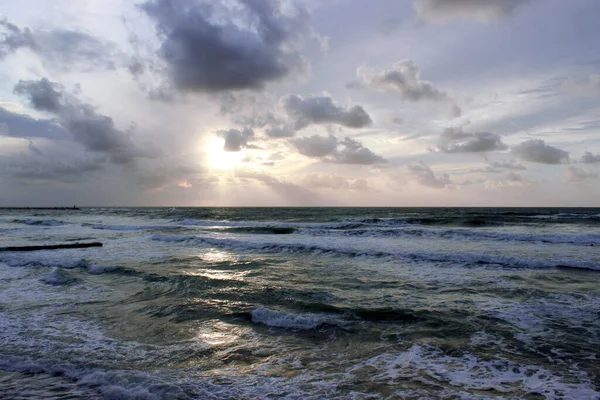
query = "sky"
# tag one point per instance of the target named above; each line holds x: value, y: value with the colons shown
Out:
x: 299, y: 103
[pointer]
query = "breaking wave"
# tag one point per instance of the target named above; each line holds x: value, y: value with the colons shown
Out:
x: 289, y: 320
x: 59, y: 276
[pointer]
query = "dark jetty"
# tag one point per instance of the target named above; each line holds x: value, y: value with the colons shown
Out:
x: 52, y: 247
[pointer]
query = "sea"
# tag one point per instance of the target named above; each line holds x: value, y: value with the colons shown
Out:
x: 301, y: 303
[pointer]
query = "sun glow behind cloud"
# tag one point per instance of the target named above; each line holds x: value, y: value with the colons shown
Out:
x: 219, y: 159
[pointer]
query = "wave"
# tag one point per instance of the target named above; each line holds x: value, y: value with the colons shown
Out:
x: 111, y: 384
x: 576, y: 239
x: 38, y: 222
x: 130, y: 227
x: 565, y: 215
x: 290, y: 320
x: 16, y: 261
x: 59, y: 276
x: 386, y: 314
x: 206, y: 222
x: 452, y: 221
x: 100, y: 269
x: 468, y: 259
x: 262, y: 230
x: 395, y: 227
x: 385, y: 224
x: 470, y: 373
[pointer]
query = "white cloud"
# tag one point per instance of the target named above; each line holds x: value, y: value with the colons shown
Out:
x: 405, y: 79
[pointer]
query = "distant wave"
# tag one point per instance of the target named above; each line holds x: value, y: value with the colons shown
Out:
x: 130, y: 227
x: 462, y: 258
x: 14, y: 260
x: 38, y: 222
x: 394, y: 227
x: 463, y: 222
x: 577, y: 239
x: 356, y: 224
x: 262, y: 230
x: 59, y: 274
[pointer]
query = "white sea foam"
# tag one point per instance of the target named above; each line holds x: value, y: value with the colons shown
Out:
x: 537, y: 317
x: 289, y: 320
x: 468, y: 372
x: 113, y: 385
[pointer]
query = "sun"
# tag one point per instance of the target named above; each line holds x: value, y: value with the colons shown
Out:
x: 218, y: 159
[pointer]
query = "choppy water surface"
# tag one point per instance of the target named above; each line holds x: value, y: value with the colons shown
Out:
x: 305, y: 303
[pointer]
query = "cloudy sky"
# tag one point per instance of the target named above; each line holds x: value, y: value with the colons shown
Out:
x: 300, y: 102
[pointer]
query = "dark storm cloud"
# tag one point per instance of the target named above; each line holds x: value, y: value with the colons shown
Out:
x: 483, y: 10
x: 330, y: 149
x: 24, y: 126
x: 43, y: 94
x: 61, y: 47
x: 590, y: 158
x: 322, y: 110
x: 96, y: 132
x: 405, y: 79
x: 535, y: 150
x: 426, y: 177
x: 210, y: 49
x: 454, y: 140
x: 236, y: 139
